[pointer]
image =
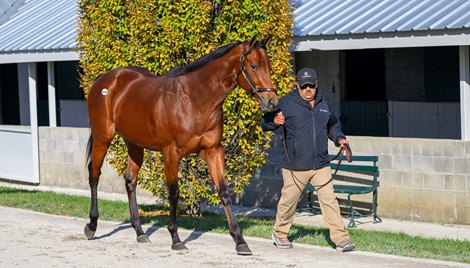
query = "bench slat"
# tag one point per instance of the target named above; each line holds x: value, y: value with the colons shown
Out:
x: 347, y: 167
x: 345, y: 189
x: 371, y: 158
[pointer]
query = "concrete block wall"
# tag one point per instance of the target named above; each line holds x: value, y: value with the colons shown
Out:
x: 420, y: 179
x: 62, y: 161
x: 265, y: 186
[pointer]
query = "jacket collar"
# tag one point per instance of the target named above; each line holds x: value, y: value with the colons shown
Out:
x: 299, y: 100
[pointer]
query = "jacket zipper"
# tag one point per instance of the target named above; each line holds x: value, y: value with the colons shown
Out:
x: 314, y: 139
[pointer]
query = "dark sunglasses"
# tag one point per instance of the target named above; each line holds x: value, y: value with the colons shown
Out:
x: 308, y: 85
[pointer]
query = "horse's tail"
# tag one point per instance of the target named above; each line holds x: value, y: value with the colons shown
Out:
x: 88, y: 151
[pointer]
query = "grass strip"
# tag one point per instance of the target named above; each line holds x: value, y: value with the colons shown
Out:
x: 372, y: 241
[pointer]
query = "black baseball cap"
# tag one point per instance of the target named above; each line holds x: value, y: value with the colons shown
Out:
x: 306, y: 76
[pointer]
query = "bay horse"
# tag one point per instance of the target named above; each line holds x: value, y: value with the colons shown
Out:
x: 178, y: 114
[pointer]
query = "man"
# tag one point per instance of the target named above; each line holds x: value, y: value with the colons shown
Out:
x: 308, y: 123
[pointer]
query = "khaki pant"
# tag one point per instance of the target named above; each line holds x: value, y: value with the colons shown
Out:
x: 291, y: 191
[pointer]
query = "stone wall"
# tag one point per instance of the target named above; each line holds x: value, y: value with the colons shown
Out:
x: 420, y: 179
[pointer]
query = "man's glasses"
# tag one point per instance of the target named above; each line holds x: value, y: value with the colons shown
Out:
x: 308, y: 85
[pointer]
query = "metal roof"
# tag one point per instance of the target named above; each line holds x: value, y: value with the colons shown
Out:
x: 5, y: 5
x: 40, y: 25
x: 338, y: 17
x: 7, y: 8
x: 51, y: 25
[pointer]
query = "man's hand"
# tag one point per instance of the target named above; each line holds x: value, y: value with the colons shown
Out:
x: 279, y: 119
x: 342, y: 143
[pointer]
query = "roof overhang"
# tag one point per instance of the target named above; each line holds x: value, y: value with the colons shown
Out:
x: 458, y: 37
x: 38, y: 56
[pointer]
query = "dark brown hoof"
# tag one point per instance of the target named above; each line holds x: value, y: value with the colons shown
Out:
x: 88, y: 232
x: 243, y: 249
x: 143, y: 239
x: 178, y: 246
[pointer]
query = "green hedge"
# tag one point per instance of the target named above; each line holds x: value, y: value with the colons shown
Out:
x: 162, y: 34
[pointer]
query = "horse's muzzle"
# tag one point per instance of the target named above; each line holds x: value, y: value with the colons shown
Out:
x: 269, y: 107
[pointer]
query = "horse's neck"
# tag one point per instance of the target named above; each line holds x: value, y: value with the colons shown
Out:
x: 217, y: 82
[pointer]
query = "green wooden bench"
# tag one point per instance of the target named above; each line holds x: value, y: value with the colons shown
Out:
x: 350, y: 185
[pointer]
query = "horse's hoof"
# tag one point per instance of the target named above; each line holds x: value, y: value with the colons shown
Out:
x: 88, y: 232
x: 243, y: 249
x: 179, y: 246
x: 143, y: 239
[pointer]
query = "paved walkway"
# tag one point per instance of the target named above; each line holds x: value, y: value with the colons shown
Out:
x: 31, y: 239
x: 424, y: 229
x: 460, y: 232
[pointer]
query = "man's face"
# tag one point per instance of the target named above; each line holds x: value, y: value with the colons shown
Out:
x: 308, y: 92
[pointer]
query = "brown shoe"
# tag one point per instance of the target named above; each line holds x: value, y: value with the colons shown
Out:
x: 281, y: 242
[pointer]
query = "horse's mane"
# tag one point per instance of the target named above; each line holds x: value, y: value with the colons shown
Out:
x: 202, y: 61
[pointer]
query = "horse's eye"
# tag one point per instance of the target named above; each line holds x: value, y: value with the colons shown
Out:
x: 254, y: 67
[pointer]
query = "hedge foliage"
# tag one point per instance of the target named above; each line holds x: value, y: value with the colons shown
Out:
x: 162, y: 34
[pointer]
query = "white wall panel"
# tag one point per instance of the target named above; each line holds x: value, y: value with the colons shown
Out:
x: 16, y: 160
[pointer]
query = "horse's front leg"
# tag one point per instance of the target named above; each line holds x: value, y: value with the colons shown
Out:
x: 215, y: 161
x: 170, y: 160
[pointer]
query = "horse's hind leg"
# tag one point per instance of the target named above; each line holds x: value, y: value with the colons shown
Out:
x: 98, y: 152
x: 134, y: 162
x: 171, y: 159
x: 215, y: 161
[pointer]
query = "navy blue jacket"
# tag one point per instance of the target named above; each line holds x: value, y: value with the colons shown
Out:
x: 307, y: 130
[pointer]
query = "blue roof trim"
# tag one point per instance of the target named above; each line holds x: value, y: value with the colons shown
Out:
x: 338, y: 17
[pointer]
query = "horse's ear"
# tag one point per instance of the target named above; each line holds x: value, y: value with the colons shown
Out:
x: 266, y: 40
x: 253, y: 41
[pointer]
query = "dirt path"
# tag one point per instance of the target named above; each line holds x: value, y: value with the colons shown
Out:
x: 30, y: 239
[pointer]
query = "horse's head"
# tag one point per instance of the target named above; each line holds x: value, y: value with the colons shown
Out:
x: 254, y: 75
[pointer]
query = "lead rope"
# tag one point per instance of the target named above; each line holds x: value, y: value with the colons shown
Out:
x: 294, y: 178
x: 340, y: 155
